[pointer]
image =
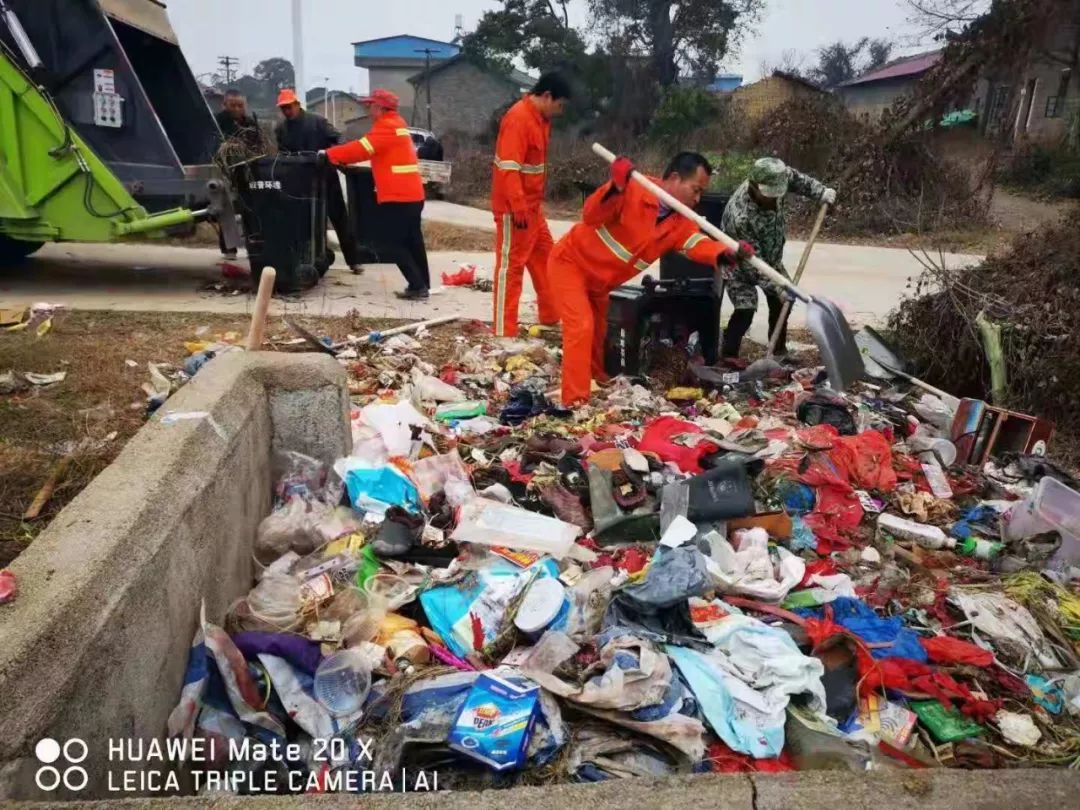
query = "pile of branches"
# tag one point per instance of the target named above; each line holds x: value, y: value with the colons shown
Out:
x: 887, y: 185
x: 1032, y: 291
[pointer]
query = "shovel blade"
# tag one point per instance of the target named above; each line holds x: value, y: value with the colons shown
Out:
x: 836, y: 342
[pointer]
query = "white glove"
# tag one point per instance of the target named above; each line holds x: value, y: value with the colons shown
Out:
x: 829, y: 197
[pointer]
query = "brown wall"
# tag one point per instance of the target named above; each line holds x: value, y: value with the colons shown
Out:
x: 764, y: 96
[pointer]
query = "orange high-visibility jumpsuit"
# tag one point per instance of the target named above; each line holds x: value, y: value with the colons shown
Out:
x: 618, y: 237
x: 390, y: 149
x: 517, y: 189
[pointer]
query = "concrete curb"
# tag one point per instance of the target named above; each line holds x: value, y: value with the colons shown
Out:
x: 810, y: 790
x: 96, y: 644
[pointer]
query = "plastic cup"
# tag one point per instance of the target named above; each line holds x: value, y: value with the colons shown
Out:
x: 389, y: 590
x: 342, y: 682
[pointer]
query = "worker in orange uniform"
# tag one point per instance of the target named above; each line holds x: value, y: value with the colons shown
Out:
x: 522, y: 238
x: 623, y: 230
x: 399, y: 189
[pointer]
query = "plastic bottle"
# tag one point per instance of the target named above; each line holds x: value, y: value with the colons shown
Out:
x: 980, y: 549
x: 929, y: 537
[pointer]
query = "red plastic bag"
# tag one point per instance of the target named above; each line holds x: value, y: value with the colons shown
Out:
x: 462, y: 278
x: 867, y: 460
x: 949, y: 650
x: 724, y: 760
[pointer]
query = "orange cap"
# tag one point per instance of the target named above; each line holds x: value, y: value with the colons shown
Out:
x: 384, y: 98
x: 286, y: 97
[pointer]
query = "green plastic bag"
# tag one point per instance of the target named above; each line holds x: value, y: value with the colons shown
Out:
x: 369, y: 566
x: 946, y: 725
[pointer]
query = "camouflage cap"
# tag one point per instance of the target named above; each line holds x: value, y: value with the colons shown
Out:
x: 771, y: 176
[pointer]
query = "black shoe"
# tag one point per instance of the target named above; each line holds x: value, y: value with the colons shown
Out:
x: 413, y: 295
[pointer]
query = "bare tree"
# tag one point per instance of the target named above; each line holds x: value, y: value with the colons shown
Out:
x: 791, y: 62
x: 935, y: 17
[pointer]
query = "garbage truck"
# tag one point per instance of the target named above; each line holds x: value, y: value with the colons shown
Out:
x: 104, y: 130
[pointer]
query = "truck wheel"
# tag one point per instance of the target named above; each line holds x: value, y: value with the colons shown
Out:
x: 14, y: 251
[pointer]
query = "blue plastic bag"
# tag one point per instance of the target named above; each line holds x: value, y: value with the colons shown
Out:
x: 377, y: 489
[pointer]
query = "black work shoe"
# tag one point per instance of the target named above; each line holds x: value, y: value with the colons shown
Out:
x: 413, y: 295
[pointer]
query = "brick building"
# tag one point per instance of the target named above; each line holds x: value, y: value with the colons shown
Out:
x: 464, y: 96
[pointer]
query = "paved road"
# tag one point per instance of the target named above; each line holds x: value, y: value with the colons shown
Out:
x: 866, y: 282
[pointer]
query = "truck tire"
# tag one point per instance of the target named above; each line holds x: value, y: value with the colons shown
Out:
x: 14, y: 251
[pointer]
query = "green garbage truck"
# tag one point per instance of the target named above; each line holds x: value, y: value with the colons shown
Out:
x: 104, y: 130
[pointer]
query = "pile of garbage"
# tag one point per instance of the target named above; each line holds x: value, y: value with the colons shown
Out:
x: 743, y: 576
x: 1029, y: 293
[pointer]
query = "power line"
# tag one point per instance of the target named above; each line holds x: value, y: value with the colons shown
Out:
x: 227, y: 63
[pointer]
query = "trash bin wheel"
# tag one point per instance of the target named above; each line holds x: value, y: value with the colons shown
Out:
x: 326, y: 263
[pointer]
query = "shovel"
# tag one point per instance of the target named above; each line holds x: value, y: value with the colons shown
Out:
x: 767, y: 365
x: 786, y: 310
x: 827, y: 324
x: 883, y: 362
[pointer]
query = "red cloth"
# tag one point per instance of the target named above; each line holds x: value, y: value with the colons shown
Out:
x: 949, y: 650
x: 658, y: 436
x: 904, y: 675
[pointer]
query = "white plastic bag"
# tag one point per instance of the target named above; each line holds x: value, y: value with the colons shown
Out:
x: 290, y: 527
x: 432, y: 389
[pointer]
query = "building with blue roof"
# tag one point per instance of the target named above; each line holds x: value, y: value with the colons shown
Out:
x: 392, y: 61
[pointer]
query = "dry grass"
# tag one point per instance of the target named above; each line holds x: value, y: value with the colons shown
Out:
x: 443, y: 236
x: 102, y: 395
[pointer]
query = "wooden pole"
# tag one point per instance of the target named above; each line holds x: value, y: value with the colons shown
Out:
x: 257, y: 332
x: 786, y: 310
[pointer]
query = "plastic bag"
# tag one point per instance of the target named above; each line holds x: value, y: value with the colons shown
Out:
x: 301, y: 476
x: 750, y: 570
x: 462, y: 278
x: 445, y: 472
x: 376, y: 490
x: 432, y: 389
x: 288, y: 528
x: 276, y: 600
x: 495, y: 524
x: 867, y: 459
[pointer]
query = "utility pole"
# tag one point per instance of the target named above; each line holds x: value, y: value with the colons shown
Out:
x: 427, y: 80
x: 227, y: 63
x: 298, y: 51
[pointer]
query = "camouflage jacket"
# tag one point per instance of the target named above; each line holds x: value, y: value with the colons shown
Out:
x: 765, y: 230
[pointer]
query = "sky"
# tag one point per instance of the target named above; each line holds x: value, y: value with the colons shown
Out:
x: 252, y: 30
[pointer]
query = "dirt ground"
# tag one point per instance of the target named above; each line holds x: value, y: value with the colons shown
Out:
x: 437, y: 236
x: 100, y: 404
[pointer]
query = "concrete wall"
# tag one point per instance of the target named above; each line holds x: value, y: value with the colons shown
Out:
x: 463, y: 99
x: 936, y: 789
x: 96, y: 643
x: 762, y: 97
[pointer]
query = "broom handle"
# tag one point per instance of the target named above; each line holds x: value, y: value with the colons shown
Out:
x: 786, y: 309
x: 705, y: 225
